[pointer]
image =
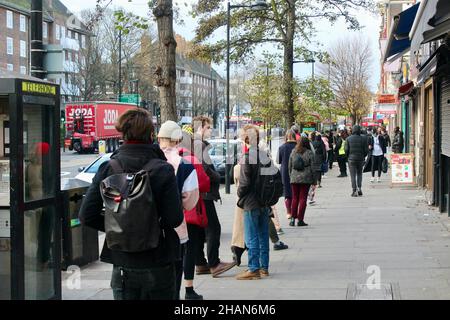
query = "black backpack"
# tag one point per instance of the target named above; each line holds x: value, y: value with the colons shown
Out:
x: 269, y: 186
x: 132, y: 223
x: 298, y: 162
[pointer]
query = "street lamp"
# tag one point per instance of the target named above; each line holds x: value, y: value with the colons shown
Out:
x: 257, y: 6
x: 307, y: 61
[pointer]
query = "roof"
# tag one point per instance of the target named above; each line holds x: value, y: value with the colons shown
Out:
x: 197, y: 66
x: 399, y: 41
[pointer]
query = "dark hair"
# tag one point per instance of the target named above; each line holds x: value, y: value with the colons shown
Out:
x: 302, y: 145
x: 136, y: 124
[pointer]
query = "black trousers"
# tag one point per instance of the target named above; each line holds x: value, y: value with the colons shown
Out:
x: 330, y: 158
x: 196, y: 236
x: 211, y: 235
x: 377, y: 163
x: 356, y: 174
x: 157, y: 283
x: 342, y: 161
x: 179, y: 269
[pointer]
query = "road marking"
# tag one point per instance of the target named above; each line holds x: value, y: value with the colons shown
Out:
x: 64, y: 173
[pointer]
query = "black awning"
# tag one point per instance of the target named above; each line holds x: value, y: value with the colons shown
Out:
x: 399, y: 41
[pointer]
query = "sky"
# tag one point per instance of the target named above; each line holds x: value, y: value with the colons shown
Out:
x: 327, y: 35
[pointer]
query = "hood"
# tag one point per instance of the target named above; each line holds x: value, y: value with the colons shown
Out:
x: 153, y: 149
x: 356, y: 130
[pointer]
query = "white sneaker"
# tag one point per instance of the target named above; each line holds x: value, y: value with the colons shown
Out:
x: 378, y: 180
x: 372, y: 179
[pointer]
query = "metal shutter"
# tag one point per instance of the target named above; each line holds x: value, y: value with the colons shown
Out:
x: 445, y: 117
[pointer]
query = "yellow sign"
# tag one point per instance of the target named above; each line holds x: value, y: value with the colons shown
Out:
x: 38, y: 88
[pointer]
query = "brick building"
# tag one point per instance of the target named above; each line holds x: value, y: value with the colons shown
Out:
x: 63, y: 36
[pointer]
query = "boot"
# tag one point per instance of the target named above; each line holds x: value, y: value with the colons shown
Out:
x: 237, y: 254
x: 292, y: 223
x: 192, y: 295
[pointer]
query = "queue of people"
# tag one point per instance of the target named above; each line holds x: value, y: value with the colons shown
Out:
x: 155, y: 200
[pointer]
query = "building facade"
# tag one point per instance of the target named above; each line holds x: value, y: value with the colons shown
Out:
x: 200, y: 89
x: 64, y: 36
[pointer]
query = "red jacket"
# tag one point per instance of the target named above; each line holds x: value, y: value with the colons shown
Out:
x: 204, y: 184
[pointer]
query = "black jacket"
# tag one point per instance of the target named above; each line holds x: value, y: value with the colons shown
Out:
x: 356, y: 146
x: 383, y: 144
x: 320, y: 155
x: 338, y: 145
x: 398, y: 143
x: 132, y: 158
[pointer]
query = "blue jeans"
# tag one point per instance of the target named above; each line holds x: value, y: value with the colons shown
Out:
x: 256, y: 224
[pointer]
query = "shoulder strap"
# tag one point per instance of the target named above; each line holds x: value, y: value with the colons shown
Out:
x: 115, y: 165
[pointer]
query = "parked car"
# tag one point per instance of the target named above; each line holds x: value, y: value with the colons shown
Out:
x: 217, y: 152
x: 88, y: 173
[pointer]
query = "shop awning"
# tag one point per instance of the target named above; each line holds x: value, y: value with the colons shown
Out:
x: 427, y: 10
x: 440, y: 22
x: 399, y: 41
x: 406, y: 89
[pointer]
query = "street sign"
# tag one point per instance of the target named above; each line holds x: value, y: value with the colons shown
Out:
x: 130, y: 98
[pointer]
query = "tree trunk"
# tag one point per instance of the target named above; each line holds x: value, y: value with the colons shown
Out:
x: 166, y: 71
x: 288, y: 74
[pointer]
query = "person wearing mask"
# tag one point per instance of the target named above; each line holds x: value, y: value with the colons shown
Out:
x: 398, y: 142
x: 356, y: 149
x: 339, y: 150
x: 214, y: 266
x: 150, y: 274
x: 283, y: 155
x: 301, y: 180
x: 169, y: 137
x: 377, y: 145
x: 256, y: 217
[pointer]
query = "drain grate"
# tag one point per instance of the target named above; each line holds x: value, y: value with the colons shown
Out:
x: 386, y: 291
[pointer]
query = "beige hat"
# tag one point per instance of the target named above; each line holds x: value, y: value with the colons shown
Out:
x: 170, y: 130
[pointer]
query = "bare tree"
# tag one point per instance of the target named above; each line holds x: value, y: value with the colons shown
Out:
x: 349, y: 71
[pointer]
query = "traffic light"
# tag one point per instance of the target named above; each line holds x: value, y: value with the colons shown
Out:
x: 63, y: 116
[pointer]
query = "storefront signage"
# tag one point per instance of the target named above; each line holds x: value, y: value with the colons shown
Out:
x: 41, y: 88
x: 402, y: 168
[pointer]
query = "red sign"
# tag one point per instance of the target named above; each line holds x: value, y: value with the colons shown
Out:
x: 387, y: 98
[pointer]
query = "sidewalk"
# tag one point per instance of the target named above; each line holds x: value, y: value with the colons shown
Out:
x: 390, y: 228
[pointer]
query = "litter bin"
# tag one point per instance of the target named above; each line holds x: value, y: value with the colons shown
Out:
x: 80, y: 243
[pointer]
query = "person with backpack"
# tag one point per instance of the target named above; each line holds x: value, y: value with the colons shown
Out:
x: 259, y: 188
x: 284, y: 152
x: 142, y: 209
x: 356, y: 149
x: 214, y: 266
x: 169, y: 137
x: 302, y: 177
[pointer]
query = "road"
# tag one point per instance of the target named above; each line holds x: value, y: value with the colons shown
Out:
x: 71, y: 161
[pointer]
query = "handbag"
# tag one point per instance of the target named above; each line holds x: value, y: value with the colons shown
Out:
x: 197, y: 216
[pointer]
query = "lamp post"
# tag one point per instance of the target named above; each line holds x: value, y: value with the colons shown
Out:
x: 307, y: 61
x: 257, y: 6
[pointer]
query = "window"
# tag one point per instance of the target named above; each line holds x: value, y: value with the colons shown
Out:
x: 9, y: 45
x: 23, y: 70
x: 69, y: 34
x: 10, y: 67
x: 182, y: 73
x: 63, y: 32
x: 23, y: 49
x: 23, y: 23
x: 9, y: 20
x: 76, y: 35
x: 45, y: 30
x: 58, y: 32
x: 83, y: 41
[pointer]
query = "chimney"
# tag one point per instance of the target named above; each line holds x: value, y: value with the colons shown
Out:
x: 37, y: 49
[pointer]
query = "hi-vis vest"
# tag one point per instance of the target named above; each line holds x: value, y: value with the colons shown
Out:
x: 342, y: 148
